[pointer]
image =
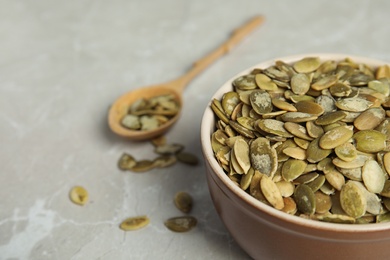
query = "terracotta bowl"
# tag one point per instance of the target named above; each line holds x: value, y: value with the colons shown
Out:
x: 266, y: 233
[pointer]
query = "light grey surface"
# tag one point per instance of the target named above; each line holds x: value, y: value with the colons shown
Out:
x: 62, y: 63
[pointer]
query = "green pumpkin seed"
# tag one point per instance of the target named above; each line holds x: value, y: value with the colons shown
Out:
x: 181, y: 224
x: 292, y: 169
x: 134, y: 223
x: 346, y: 152
x: 261, y: 101
x: 373, y: 176
x: 305, y: 199
x: 187, y: 158
x: 331, y: 118
x: 370, y: 141
x: 353, y: 104
x: 183, y: 201
x: 79, y: 195
x: 307, y: 65
x: 263, y: 156
x: 353, y: 200
x: 229, y: 101
x: 264, y: 82
x: 271, y: 192
x: 315, y: 153
x: 335, y: 137
x: 241, y: 152
x: 300, y: 83
x: 274, y: 127
x: 126, y: 162
x: 370, y: 119
x: 297, y: 130
x: 309, y: 107
x: 297, y: 117
x: 168, y: 149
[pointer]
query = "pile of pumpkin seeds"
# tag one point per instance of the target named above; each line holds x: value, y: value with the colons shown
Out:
x: 310, y: 138
x: 168, y: 154
x: 148, y: 114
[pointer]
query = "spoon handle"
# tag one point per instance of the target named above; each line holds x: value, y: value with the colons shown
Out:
x: 237, y: 36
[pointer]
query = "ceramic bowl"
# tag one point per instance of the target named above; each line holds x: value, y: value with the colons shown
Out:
x: 266, y: 233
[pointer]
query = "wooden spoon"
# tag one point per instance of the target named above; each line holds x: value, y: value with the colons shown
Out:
x: 175, y: 87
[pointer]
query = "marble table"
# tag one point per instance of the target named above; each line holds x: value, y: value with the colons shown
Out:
x: 62, y: 63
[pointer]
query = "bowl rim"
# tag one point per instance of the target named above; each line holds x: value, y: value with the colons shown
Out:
x: 208, y: 124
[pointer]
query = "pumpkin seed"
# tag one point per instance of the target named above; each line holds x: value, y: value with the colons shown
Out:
x: 264, y: 82
x: 183, y: 201
x: 370, y: 141
x: 305, y: 199
x: 241, y: 152
x: 229, y: 101
x: 346, y: 152
x: 167, y: 149
x: 181, y: 224
x: 353, y: 104
x: 144, y: 166
x: 261, y: 101
x: 369, y: 119
x: 292, y: 169
x: 134, y: 223
x: 307, y: 65
x: 353, y: 200
x: 335, y: 137
x: 126, y: 162
x: 373, y: 176
x: 79, y: 195
x: 187, y: 158
x: 263, y: 157
x: 162, y: 161
x: 300, y: 83
x: 271, y: 192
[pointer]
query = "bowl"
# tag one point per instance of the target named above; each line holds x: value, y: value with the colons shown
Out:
x: 267, y: 233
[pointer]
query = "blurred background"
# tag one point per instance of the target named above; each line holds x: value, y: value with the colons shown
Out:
x: 62, y: 63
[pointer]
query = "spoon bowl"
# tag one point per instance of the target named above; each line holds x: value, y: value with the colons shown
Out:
x: 175, y: 87
x: 120, y: 107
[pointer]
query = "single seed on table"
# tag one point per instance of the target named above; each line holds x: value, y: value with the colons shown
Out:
x: 126, y: 162
x: 143, y: 166
x: 78, y: 195
x: 134, y: 223
x: 181, y: 224
x: 187, y: 158
x: 183, y: 201
x: 164, y: 161
x: 167, y: 149
x: 160, y: 140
